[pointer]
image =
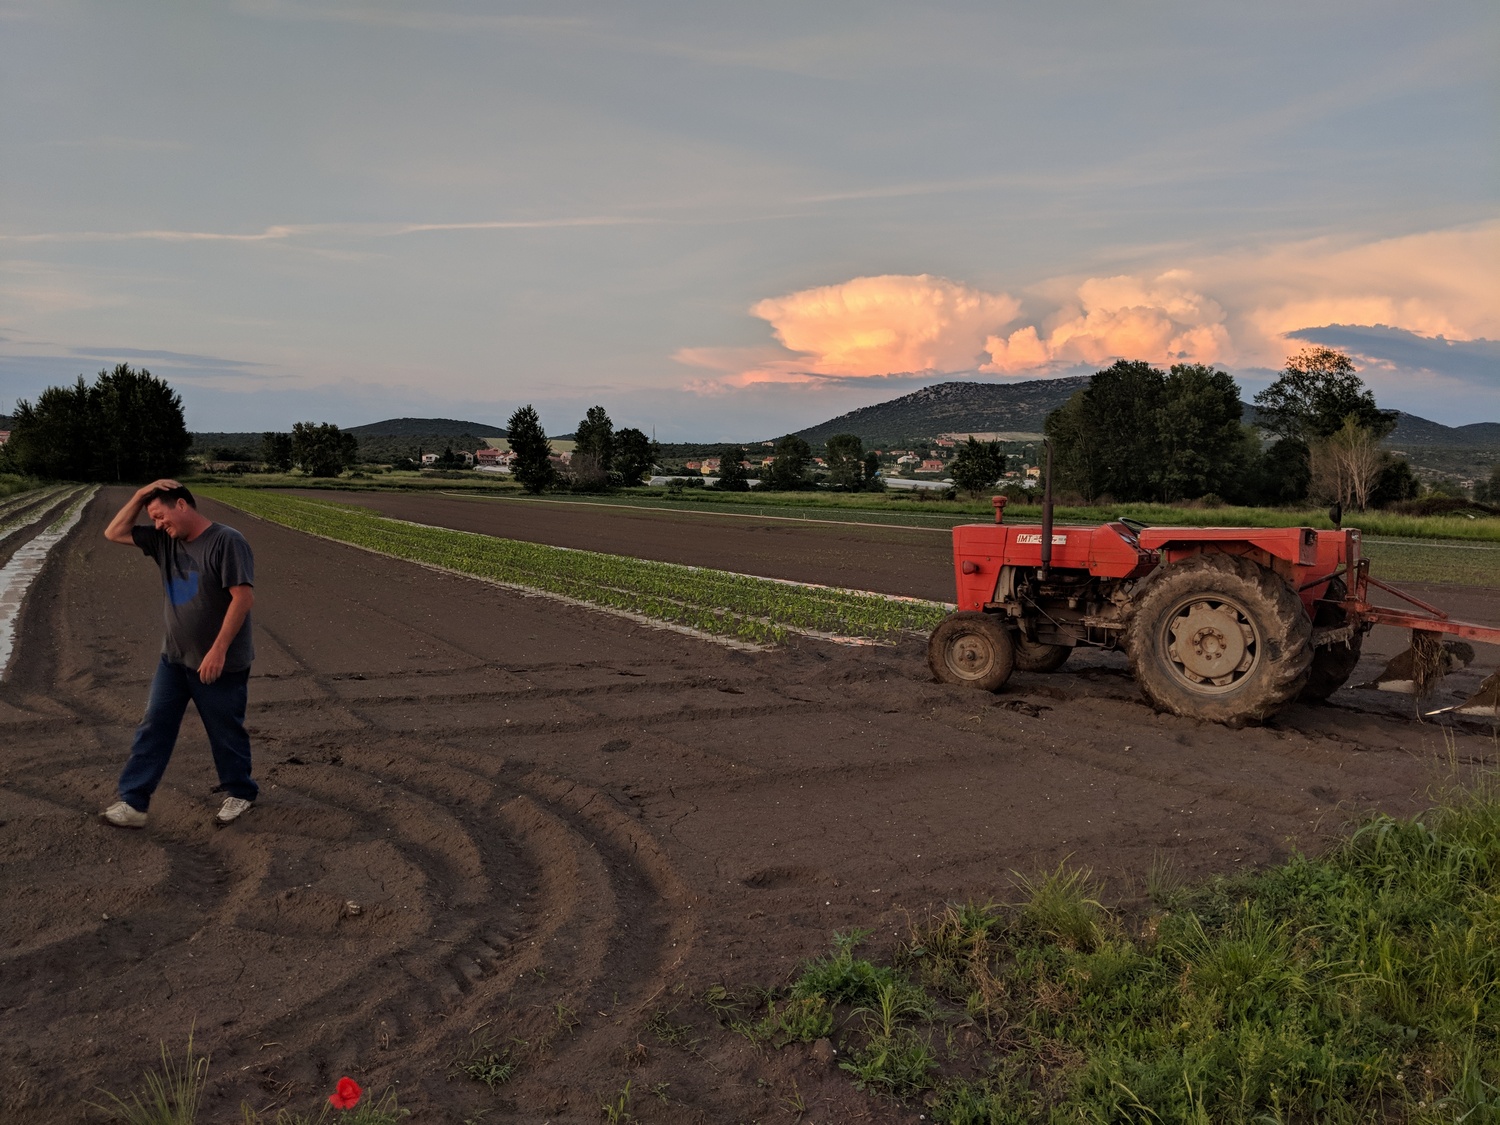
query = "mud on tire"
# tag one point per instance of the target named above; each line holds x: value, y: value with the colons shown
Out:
x: 973, y: 649
x: 1332, y: 665
x: 1218, y: 637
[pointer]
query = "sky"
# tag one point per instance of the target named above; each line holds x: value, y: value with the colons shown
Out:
x: 730, y: 221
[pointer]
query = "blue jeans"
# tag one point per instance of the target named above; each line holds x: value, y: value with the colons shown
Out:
x: 221, y: 706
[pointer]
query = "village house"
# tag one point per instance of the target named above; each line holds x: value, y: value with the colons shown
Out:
x: 931, y: 465
x: 4, y: 436
x: 710, y: 466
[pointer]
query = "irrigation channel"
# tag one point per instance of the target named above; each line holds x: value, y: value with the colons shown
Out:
x: 31, y: 525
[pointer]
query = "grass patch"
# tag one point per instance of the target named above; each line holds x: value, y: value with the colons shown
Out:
x: 1451, y: 563
x: 484, y: 1062
x: 370, y: 1111
x: 1360, y: 986
x: 169, y: 1096
x: 758, y: 610
x: 12, y: 483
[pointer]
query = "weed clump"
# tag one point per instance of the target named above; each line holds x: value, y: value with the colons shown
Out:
x: 1360, y: 986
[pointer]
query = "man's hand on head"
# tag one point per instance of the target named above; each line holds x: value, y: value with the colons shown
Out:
x: 154, y: 486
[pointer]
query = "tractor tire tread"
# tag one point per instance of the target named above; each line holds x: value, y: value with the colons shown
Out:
x: 1287, y: 639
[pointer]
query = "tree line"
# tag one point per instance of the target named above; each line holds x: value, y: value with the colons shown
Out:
x: 1135, y: 433
x: 126, y: 425
x: 1138, y: 433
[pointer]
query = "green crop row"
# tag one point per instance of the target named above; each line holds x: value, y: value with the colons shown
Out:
x: 713, y: 601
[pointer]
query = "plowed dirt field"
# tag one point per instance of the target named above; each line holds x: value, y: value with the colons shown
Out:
x: 494, y: 820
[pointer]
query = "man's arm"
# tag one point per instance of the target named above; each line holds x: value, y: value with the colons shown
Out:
x: 118, y: 530
x: 241, y: 600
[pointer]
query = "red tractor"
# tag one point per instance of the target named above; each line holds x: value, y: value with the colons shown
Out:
x: 1220, y: 623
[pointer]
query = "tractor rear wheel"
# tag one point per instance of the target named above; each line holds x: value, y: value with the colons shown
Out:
x: 1217, y: 637
x: 970, y: 648
x: 1034, y: 656
x: 1332, y: 665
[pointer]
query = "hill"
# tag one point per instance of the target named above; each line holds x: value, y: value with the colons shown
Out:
x: 1411, y: 430
x: 425, y: 427
x: 953, y: 407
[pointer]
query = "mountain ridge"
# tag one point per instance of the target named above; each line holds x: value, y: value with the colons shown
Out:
x: 970, y: 406
x: 425, y: 427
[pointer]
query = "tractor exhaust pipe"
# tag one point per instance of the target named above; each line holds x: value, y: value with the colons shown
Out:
x: 1047, y: 514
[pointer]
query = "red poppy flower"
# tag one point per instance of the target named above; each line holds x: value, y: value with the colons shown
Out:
x: 347, y: 1094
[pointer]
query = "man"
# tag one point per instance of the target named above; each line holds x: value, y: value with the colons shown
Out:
x: 208, y: 573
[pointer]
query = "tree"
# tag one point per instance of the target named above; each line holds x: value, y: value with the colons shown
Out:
x: 55, y: 438
x: 127, y: 426
x: 1281, y: 474
x: 595, y: 439
x: 635, y: 454
x: 788, y: 469
x: 845, y: 454
x: 1198, y: 427
x: 977, y: 466
x: 1315, y: 393
x: 276, y: 451
x: 1396, y: 482
x: 142, y: 432
x: 872, y: 472
x: 528, y: 441
x: 1345, y: 464
x: 321, y: 449
x: 732, y: 474
x: 1138, y: 433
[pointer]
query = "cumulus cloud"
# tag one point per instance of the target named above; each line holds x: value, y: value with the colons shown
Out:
x: 866, y: 327
x: 1245, y: 310
x: 1164, y: 320
x: 1434, y: 283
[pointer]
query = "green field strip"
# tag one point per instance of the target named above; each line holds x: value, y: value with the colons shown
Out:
x: 891, y: 513
x: 739, y: 606
x: 1453, y: 564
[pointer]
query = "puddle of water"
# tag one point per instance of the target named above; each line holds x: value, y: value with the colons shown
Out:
x: 17, y: 575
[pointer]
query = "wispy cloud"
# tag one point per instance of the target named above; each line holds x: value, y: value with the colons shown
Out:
x: 284, y: 232
x: 427, y: 18
x: 119, y: 144
x: 180, y: 359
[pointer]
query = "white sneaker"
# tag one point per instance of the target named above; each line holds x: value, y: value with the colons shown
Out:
x: 122, y: 815
x: 231, y: 810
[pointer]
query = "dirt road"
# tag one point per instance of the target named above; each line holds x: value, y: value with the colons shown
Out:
x: 557, y: 828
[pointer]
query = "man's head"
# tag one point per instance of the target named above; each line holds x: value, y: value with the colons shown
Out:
x: 174, y: 511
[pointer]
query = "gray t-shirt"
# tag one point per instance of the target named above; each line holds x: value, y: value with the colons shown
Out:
x: 196, y: 576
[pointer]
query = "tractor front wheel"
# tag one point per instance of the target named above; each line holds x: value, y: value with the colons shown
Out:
x: 1217, y: 637
x: 974, y: 649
